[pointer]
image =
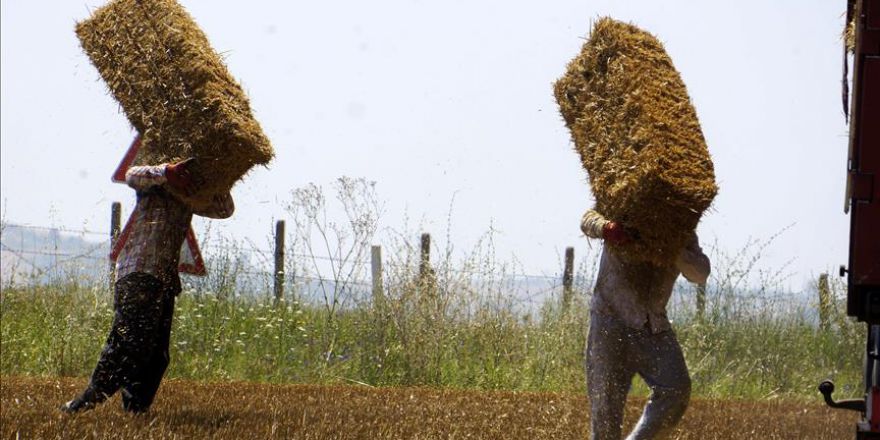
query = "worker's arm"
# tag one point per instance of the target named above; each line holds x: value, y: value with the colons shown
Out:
x: 144, y: 177
x: 594, y: 225
x: 176, y: 175
x: 222, y: 206
x: 693, y: 263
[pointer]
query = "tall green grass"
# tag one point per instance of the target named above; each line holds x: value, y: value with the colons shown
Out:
x: 456, y: 325
x: 59, y: 330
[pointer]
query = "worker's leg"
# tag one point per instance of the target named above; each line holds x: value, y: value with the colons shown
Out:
x: 661, y: 364
x: 609, y: 376
x: 138, y: 394
x: 138, y: 304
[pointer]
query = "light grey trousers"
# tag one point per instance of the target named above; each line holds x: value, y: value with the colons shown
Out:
x: 615, y: 353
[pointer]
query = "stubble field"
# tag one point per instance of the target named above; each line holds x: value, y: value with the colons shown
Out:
x: 28, y: 409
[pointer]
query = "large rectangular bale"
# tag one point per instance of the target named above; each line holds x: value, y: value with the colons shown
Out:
x: 175, y: 90
x: 638, y: 137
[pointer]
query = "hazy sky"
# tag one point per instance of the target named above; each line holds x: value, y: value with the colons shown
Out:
x: 442, y: 99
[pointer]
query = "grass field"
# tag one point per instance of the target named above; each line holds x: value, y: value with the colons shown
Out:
x: 58, y: 331
x: 447, y: 356
x: 244, y: 410
x: 240, y: 368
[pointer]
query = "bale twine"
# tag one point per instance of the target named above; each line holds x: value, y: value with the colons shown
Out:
x: 639, y: 139
x: 175, y: 90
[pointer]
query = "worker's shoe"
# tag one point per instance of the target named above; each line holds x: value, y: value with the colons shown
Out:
x: 86, y: 401
x: 132, y: 404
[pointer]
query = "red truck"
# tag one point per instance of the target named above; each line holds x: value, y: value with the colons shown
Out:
x: 862, y: 102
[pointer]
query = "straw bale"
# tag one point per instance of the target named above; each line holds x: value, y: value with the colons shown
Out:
x: 175, y: 90
x: 849, y: 36
x: 638, y: 137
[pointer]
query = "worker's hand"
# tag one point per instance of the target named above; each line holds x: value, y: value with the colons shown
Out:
x: 181, y: 178
x: 614, y: 233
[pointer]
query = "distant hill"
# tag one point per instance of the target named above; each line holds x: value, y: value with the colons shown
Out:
x: 37, y: 254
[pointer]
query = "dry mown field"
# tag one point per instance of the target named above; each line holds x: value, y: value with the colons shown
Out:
x: 241, y: 410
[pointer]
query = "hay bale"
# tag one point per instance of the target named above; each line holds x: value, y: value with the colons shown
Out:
x: 175, y: 90
x: 849, y: 36
x: 638, y: 137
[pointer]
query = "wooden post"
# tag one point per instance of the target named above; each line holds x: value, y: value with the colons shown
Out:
x: 279, y: 261
x: 567, y: 278
x: 115, y: 221
x: 427, y: 281
x: 824, y: 302
x: 701, y: 302
x: 376, y: 269
x: 425, y: 261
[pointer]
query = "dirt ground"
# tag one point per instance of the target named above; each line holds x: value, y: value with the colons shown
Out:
x: 187, y: 410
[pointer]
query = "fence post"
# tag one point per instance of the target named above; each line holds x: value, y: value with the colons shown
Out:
x: 115, y: 221
x: 425, y: 261
x: 427, y: 280
x: 376, y: 269
x: 701, y: 301
x: 567, y: 278
x: 824, y: 302
x: 279, y: 261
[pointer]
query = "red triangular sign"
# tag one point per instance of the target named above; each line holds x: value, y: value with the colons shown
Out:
x: 191, y: 261
x: 127, y: 160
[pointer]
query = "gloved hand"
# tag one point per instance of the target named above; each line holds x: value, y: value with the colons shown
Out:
x: 614, y: 233
x: 181, y: 178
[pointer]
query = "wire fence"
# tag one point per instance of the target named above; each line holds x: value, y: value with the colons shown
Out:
x: 37, y: 254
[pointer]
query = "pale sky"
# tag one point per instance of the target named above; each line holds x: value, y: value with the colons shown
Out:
x: 442, y: 99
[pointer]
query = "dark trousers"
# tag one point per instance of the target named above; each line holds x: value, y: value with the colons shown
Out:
x: 135, y: 355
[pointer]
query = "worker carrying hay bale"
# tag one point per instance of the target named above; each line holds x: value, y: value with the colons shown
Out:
x: 198, y: 138
x: 639, y: 139
x: 176, y: 92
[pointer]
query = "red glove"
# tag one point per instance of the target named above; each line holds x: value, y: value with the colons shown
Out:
x: 614, y: 233
x: 181, y: 178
